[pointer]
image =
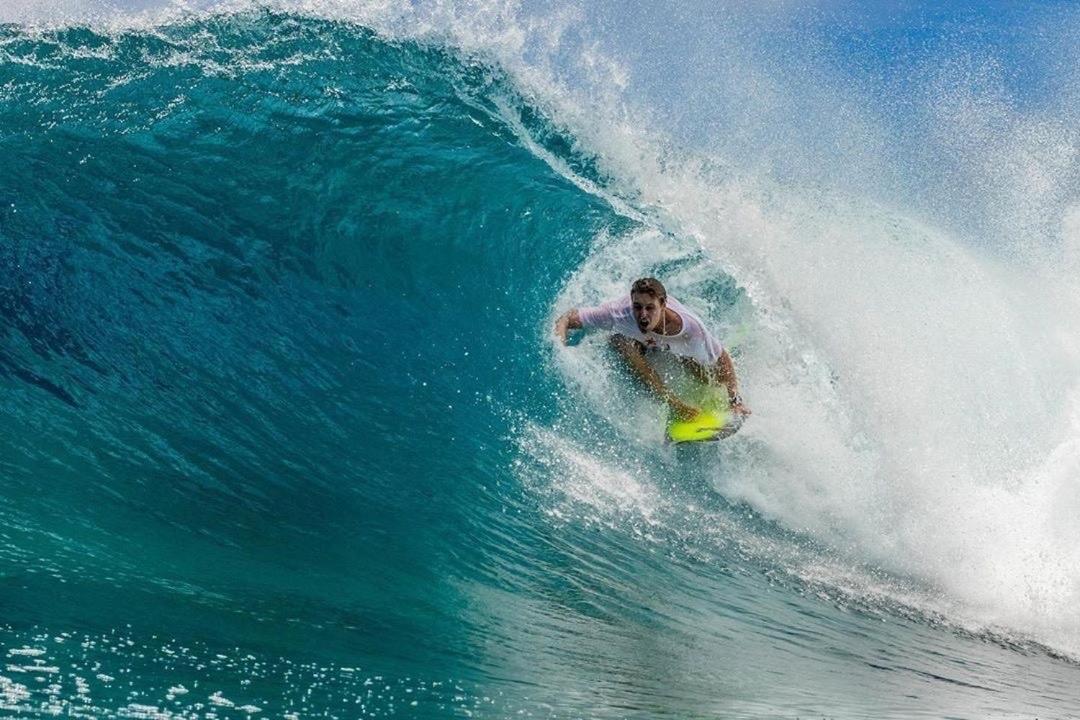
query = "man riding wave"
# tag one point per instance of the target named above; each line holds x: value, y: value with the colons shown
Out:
x: 648, y: 320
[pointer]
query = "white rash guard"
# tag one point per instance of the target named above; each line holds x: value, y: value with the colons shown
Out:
x: 693, y: 341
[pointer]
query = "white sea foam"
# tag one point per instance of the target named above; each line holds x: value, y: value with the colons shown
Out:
x: 26, y: 651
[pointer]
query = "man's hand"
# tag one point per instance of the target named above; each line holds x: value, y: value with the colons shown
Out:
x: 569, y: 320
x: 740, y: 409
x: 560, y: 329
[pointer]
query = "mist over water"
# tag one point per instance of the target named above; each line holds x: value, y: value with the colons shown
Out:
x: 276, y: 346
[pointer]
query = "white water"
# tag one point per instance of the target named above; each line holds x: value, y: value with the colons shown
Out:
x: 914, y: 357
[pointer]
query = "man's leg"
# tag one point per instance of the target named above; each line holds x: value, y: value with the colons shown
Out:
x: 633, y: 354
x: 704, y: 374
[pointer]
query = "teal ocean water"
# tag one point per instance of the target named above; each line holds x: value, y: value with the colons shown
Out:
x: 284, y: 432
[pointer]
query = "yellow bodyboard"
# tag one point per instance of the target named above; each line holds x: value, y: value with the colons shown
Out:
x: 714, y: 422
x: 706, y: 425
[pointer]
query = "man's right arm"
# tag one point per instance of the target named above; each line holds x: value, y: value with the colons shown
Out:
x: 569, y: 320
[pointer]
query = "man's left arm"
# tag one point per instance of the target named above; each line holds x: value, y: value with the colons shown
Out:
x: 725, y: 373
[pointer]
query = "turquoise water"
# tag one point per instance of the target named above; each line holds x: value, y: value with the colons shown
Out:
x: 284, y: 433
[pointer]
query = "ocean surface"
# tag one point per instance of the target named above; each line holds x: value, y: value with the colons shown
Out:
x: 284, y: 432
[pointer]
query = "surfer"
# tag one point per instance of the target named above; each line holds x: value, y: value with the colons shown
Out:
x: 647, y: 320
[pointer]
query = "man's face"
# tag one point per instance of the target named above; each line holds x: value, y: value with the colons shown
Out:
x: 648, y: 311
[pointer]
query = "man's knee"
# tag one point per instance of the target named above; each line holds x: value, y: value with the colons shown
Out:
x: 625, y: 346
x: 701, y: 372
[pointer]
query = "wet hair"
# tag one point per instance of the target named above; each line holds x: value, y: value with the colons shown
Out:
x: 649, y: 286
